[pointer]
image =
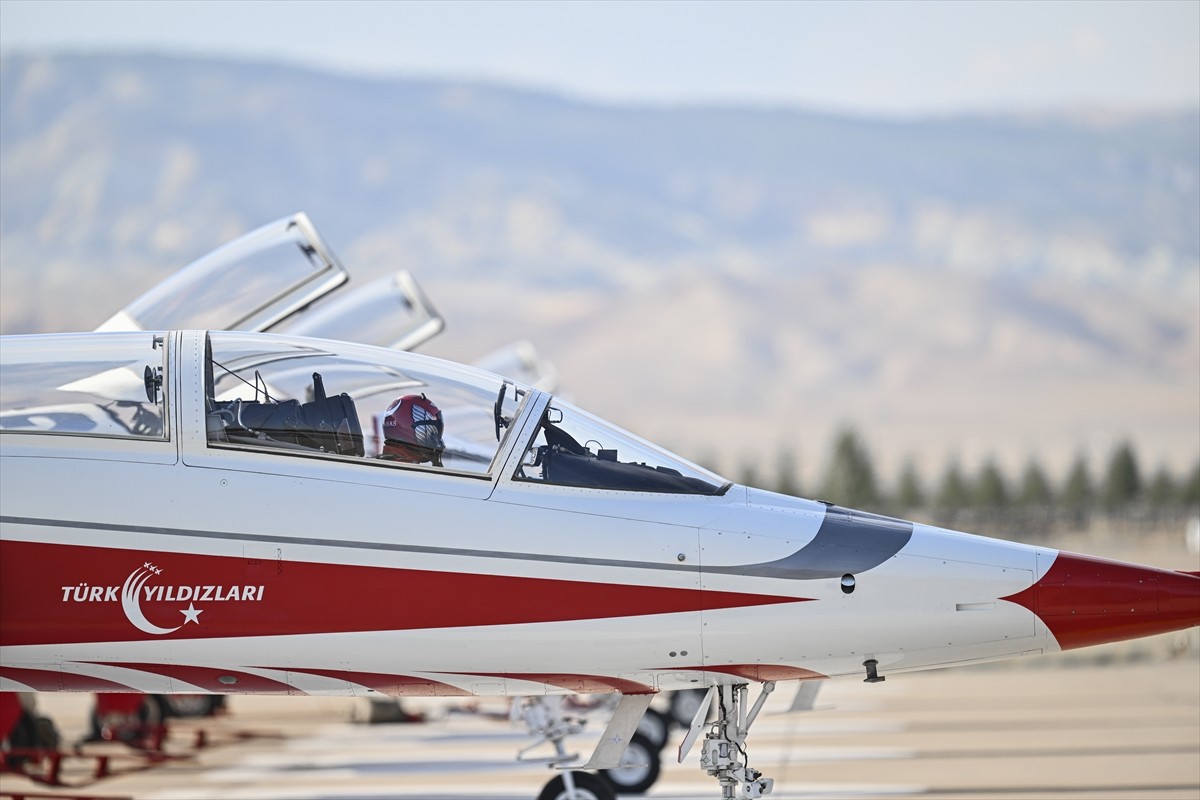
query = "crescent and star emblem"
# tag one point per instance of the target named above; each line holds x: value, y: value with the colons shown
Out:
x: 131, y: 594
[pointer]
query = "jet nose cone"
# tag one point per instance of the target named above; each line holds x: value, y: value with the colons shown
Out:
x: 1086, y: 601
x: 1179, y: 593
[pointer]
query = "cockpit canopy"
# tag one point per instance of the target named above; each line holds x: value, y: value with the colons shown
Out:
x: 327, y: 397
x: 251, y: 283
x: 314, y: 398
x: 278, y: 278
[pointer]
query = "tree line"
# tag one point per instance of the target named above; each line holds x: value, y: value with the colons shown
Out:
x: 988, y: 496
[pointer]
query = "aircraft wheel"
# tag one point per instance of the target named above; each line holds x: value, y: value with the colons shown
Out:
x: 188, y: 705
x: 125, y: 727
x: 587, y: 787
x: 684, y: 705
x: 656, y: 727
x: 644, y: 762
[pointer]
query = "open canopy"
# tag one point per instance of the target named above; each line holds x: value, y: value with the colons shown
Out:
x: 251, y: 283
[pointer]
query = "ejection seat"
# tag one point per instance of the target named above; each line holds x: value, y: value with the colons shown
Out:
x: 327, y: 424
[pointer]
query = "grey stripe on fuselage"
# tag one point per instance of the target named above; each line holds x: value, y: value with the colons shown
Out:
x: 848, y: 542
x: 875, y: 539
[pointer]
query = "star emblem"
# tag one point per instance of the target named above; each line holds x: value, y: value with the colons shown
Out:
x: 191, y: 614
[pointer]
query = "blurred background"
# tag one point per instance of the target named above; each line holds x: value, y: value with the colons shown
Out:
x: 936, y: 259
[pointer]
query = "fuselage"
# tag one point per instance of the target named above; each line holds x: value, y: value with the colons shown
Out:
x: 182, y: 562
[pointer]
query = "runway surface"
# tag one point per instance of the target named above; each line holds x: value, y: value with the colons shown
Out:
x: 1048, y: 728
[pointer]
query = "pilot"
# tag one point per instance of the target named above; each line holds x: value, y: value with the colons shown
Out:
x: 412, y: 431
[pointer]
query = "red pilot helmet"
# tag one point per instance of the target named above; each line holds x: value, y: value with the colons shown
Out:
x: 412, y: 431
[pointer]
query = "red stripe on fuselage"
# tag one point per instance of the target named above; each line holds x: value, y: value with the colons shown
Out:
x: 757, y: 672
x: 219, y: 681
x: 767, y: 672
x: 391, y: 685
x: 587, y: 684
x: 49, y: 680
x: 58, y: 594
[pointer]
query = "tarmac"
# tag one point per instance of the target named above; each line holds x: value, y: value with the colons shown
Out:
x: 1055, y: 727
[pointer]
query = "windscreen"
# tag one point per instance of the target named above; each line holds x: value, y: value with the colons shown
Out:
x: 574, y: 448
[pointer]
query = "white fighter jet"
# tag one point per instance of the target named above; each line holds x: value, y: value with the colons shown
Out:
x: 206, y: 511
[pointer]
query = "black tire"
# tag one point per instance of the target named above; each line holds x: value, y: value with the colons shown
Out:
x: 46, y: 735
x: 23, y: 736
x: 655, y: 726
x: 150, y: 713
x: 645, y: 764
x: 587, y: 787
x: 188, y: 705
x: 684, y: 705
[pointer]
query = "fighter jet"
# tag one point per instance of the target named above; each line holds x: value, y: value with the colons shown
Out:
x: 192, y: 510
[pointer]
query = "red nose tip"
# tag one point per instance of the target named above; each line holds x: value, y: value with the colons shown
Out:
x: 1086, y: 601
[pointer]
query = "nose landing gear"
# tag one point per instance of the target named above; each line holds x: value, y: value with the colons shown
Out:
x: 723, y: 754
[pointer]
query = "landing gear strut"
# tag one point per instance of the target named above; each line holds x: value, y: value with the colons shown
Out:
x: 723, y: 754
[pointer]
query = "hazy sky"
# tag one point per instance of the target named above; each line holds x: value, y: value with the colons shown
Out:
x: 870, y: 57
